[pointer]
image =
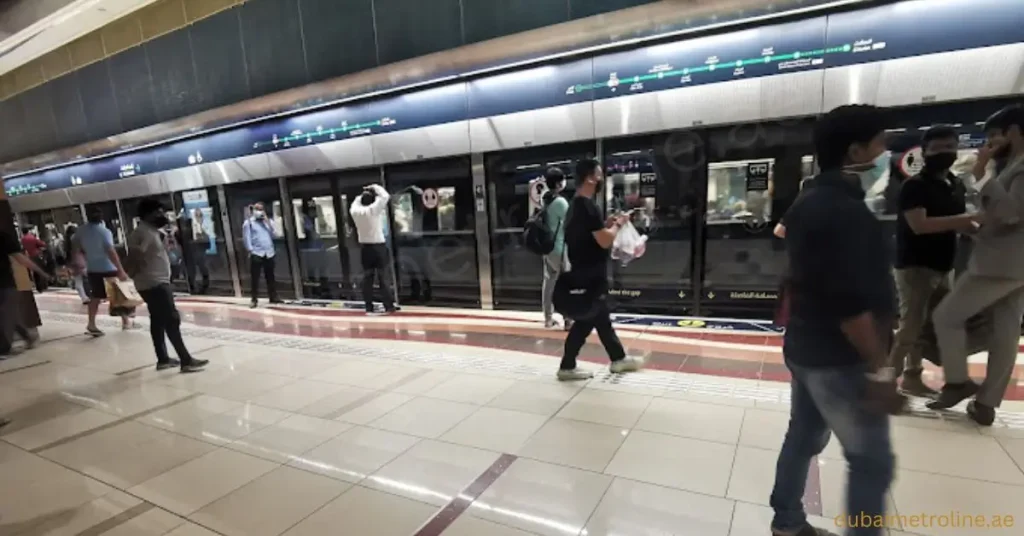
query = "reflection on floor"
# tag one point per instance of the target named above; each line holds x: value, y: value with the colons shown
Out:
x: 307, y: 424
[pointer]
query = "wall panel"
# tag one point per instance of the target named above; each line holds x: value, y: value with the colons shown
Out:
x: 129, y: 74
x: 402, y: 28
x: 175, y: 90
x: 68, y: 109
x: 329, y: 52
x: 483, y: 21
x: 101, y: 112
x: 274, y: 52
x: 42, y: 129
x: 219, y: 59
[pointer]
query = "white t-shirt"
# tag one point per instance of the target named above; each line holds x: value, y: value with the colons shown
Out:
x: 369, y: 218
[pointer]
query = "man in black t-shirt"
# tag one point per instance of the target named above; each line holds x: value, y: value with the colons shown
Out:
x: 931, y: 212
x: 588, y: 237
x: 10, y: 249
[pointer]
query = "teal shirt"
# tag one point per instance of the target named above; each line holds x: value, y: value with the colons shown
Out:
x: 555, y: 218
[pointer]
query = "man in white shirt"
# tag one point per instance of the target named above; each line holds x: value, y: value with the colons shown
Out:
x: 368, y: 212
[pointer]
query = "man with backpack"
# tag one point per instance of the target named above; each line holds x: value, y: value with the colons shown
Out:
x: 552, y: 216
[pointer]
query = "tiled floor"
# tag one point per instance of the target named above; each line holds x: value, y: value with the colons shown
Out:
x: 312, y: 436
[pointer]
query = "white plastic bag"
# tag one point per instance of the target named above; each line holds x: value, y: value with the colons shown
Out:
x: 629, y: 244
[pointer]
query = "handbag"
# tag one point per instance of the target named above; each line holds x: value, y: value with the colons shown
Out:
x: 579, y: 294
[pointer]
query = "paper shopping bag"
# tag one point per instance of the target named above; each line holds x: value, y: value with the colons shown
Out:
x: 122, y: 296
x: 131, y: 295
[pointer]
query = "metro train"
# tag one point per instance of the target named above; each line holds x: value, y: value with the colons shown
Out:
x: 706, y: 139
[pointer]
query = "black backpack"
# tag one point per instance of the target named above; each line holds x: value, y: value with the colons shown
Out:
x: 537, y: 236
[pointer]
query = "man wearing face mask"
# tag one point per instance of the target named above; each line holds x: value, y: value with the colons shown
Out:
x: 588, y: 239
x: 931, y: 213
x: 994, y: 280
x: 258, y: 236
x: 150, y: 267
x: 841, y: 309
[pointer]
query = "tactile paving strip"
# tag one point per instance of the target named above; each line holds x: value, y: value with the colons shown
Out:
x: 703, y: 386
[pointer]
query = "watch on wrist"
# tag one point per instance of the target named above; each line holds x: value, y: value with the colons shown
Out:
x: 883, y: 375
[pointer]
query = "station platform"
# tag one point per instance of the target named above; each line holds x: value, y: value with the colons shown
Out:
x: 314, y: 420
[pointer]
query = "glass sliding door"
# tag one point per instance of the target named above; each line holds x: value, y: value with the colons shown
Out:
x: 660, y: 179
x: 203, y: 241
x: 316, y: 226
x: 754, y: 173
x: 240, y: 198
x: 516, y: 188
x: 434, y: 238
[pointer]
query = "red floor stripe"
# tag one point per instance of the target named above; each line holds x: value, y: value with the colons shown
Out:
x: 443, y: 519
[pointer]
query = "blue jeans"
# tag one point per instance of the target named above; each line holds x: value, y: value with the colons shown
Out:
x: 827, y: 400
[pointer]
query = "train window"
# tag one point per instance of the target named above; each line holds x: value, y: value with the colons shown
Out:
x: 315, y: 218
x: 402, y: 204
x: 446, y: 209
x: 278, y: 215
x: 740, y: 191
x: 743, y: 190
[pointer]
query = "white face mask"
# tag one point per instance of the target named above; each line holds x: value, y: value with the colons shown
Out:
x: 873, y: 171
x: 259, y: 214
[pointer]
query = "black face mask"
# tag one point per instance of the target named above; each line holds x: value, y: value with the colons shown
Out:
x: 939, y: 162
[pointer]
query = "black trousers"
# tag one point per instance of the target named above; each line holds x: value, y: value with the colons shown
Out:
x: 197, y: 262
x: 376, y: 263
x: 265, y: 265
x: 165, y: 323
x: 580, y: 330
x: 10, y: 319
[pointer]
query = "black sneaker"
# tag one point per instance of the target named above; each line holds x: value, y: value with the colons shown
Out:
x: 195, y: 365
x: 980, y: 413
x: 164, y: 365
x: 953, y: 394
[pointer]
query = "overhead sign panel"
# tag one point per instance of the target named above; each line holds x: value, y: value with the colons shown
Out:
x: 532, y: 89
x: 750, y: 53
x: 919, y: 27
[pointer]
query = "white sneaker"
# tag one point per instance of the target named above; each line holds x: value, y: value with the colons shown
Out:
x: 575, y: 374
x: 628, y: 364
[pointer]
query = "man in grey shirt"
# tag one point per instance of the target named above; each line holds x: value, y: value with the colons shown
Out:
x: 150, y: 267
